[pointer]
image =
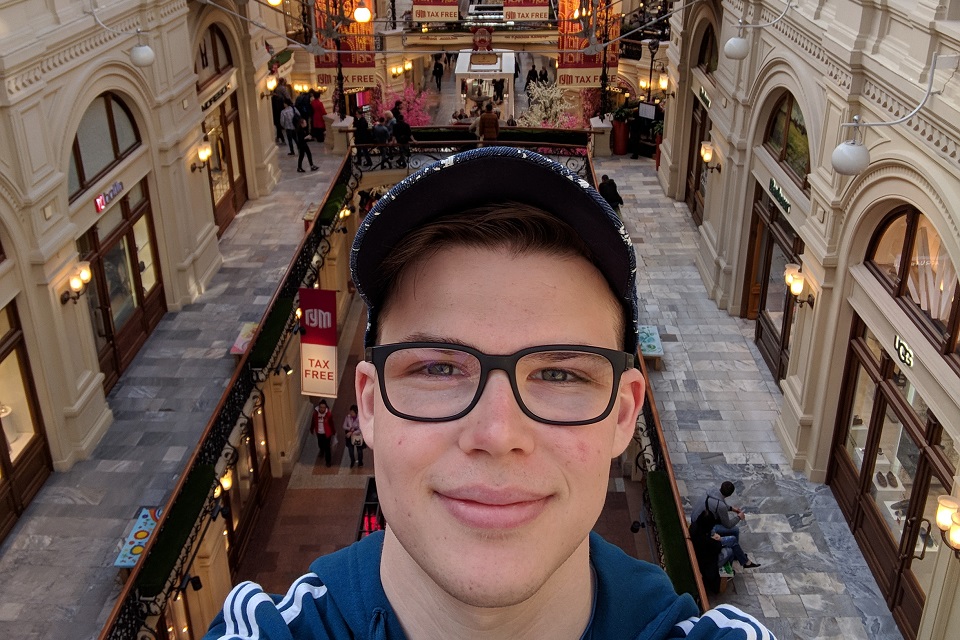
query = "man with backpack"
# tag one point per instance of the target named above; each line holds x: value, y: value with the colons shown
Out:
x: 715, y: 533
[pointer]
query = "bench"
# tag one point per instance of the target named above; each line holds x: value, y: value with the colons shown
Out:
x: 650, y: 345
x: 136, y: 541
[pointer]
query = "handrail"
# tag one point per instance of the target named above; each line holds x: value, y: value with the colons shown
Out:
x: 662, y: 460
x: 130, y: 612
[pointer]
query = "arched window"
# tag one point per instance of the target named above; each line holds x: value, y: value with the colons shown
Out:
x: 786, y: 140
x: 907, y: 255
x: 213, y: 57
x: 708, y: 56
x: 106, y: 135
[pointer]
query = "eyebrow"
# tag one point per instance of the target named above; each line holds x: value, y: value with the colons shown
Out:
x: 429, y: 337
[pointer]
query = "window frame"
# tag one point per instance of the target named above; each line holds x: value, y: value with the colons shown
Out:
x: 780, y: 156
x: 708, y: 56
x: 84, y: 182
x: 944, y: 340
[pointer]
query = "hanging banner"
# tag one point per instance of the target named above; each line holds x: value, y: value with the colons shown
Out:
x: 520, y: 10
x: 357, y: 49
x: 577, y: 70
x: 318, y: 346
x: 435, y: 11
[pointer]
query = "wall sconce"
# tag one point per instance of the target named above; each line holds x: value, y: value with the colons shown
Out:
x: 706, y: 154
x: 948, y: 521
x: 193, y: 581
x: 271, y: 85
x: 78, y: 283
x: 851, y: 156
x: 204, y: 151
x: 794, y: 279
x: 285, y: 368
x: 737, y: 48
x: 226, y: 480
x: 407, y: 65
x: 396, y: 72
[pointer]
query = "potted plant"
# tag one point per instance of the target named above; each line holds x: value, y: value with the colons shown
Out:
x: 620, y: 130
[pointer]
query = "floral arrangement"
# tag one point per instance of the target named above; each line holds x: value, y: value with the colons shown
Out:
x: 413, y: 106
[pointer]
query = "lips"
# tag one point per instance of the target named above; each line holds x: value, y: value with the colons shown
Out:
x: 484, y: 508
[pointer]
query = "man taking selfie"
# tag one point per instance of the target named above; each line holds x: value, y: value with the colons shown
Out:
x: 498, y: 383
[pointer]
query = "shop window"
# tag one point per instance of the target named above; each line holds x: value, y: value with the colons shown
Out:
x: 213, y: 57
x: 908, y: 256
x: 106, y: 135
x: 864, y: 391
x: 708, y: 55
x: 786, y: 140
x: 18, y: 419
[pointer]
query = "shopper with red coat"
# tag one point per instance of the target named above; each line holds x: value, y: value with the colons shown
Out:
x: 322, y: 426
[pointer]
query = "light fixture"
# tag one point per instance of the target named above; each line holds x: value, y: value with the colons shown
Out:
x: 77, y: 284
x: 362, y: 13
x: 407, y: 65
x: 204, y: 151
x: 663, y: 82
x: 948, y: 521
x: 274, y: 3
x: 284, y: 368
x: 226, y: 480
x: 795, y: 280
x: 706, y: 154
x: 737, y: 48
x: 270, y: 85
x: 851, y: 156
x: 141, y: 55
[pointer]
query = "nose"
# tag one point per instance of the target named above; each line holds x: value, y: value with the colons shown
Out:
x: 497, y: 425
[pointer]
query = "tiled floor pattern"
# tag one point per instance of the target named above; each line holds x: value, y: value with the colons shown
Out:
x: 56, y: 567
x: 718, y: 403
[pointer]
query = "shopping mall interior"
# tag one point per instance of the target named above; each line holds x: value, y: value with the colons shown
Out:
x: 788, y: 176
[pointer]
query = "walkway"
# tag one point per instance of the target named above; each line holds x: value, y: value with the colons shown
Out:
x: 56, y: 574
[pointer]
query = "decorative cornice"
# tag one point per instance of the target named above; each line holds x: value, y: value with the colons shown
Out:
x: 840, y: 76
x: 89, y: 46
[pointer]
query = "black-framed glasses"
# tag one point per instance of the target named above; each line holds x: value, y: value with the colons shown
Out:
x: 553, y: 384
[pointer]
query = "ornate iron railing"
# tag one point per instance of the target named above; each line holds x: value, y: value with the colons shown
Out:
x: 135, y: 606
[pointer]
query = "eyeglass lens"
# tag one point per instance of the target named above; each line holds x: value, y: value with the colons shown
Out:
x: 558, y: 386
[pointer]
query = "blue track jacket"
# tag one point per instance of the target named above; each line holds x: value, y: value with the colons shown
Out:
x: 342, y: 599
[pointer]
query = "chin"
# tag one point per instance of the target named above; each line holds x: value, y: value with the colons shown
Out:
x: 492, y: 591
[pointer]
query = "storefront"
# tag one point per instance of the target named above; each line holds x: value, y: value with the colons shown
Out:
x: 695, y: 185
x: 25, y: 459
x: 125, y: 296
x: 216, y: 92
x: 892, y: 453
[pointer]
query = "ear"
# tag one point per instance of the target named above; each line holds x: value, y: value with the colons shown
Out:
x: 366, y: 387
x: 629, y: 403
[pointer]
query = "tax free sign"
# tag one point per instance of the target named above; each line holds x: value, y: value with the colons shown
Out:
x: 318, y: 345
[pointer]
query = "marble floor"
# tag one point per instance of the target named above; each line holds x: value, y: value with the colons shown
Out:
x: 717, y: 400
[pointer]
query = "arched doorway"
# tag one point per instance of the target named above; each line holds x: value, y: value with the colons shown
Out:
x: 696, y: 180
x: 773, y: 242
x: 891, y: 455
x: 125, y: 297
x: 217, y: 92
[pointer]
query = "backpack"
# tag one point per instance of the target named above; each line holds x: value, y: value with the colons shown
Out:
x: 703, y: 526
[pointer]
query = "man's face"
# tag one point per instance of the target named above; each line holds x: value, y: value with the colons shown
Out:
x: 490, y: 506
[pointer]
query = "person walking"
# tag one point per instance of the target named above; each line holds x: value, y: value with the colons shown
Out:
x: 277, y: 104
x: 362, y: 138
x: 305, y: 109
x: 288, y: 120
x: 322, y: 427
x: 319, y: 111
x: 403, y: 135
x: 531, y: 78
x: 302, y: 130
x: 608, y: 189
x: 487, y: 126
x: 438, y: 72
x: 543, y: 76
x: 353, y: 437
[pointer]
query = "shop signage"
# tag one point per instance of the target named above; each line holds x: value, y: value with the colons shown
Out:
x: 354, y: 54
x: 704, y: 98
x: 435, y: 11
x: 105, y: 198
x: 777, y: 194
x: 318, y: 345
x: 904, y: 352
x: 212, y: 100
x: 520, y: 10
x: 578, y: 70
